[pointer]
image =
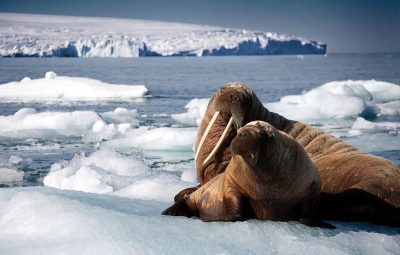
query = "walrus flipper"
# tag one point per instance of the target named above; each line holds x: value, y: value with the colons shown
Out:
x: 184, y: 193
x: 180, y: 208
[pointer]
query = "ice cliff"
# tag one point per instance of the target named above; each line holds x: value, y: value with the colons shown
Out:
x: 27, y: 35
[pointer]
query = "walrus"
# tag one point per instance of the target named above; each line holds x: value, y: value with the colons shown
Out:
x: 368, y: 186
x: 270, y: 177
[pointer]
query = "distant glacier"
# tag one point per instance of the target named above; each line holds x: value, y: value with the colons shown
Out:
x: 29, y: 35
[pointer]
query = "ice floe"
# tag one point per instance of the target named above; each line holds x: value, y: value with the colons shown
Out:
x: 340, y: 99
x: 41, y: 220
x: 107, y: 171
x: 196, y: 108
x: 362, y: 123
x: 64, y: 88
x: 163, y: 138
x: 8, y: 170
x: 28, y: 123
x: 8, y: 175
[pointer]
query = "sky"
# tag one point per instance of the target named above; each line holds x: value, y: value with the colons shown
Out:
x: 345, y: 25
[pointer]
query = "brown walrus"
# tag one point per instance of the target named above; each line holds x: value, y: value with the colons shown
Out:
x: 270, y: 177
x: 355, y: 184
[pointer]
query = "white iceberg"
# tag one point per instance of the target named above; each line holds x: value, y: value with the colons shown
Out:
x: 64, y: 88
x: 61, y: 36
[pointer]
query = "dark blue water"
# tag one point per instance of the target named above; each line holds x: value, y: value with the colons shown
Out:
x: 173, y: 81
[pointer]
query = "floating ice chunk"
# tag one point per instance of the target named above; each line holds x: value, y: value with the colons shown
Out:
x: 28, y: 123
x: 63, y: 88
x: 340, y: 99
x: 189, y: 175
x: 50, y: 75
x: 391, y: 108
x: 15, y: 159
x: 164, y: 138
x: 362, y: 123
x: 121, y: 115
x: 107, y: 171
x: 8, y: 175
x: 196, y: 108
x: 25, y: 79
x: 102, y: 172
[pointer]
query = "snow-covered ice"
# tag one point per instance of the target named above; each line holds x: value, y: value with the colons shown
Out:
x: 196, y: 108
x: 42, y: 220
x: 339, y: 99
x: 362, y: 123
x: 8, y: 175
x: 163, y: 138
x: 62, y: 36
x: 107, y: 171
x: 64, y: 88
x: 28, y: 123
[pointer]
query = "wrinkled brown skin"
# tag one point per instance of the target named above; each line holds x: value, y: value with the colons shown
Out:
x: 368, y: 186
x: 270, y: 177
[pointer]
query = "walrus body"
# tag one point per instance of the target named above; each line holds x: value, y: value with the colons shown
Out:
x: 270, y: 177
x: 369, y: 184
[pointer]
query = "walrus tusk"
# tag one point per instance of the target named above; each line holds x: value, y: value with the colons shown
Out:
x: 214, y: 118
x: 219, y: 141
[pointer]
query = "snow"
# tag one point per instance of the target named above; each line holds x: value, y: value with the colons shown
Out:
x: 196, y: 108
x: 362, y: 123
x: 340, y: 99
x: 62, y: 36
x: 121, y: 115
x: 10, y: 175
x: 107, y: 171
x: 42, y: 220
x: 64, y: 88
x: 8, y: 170
x: 28, y: 123
x: 163, y: 138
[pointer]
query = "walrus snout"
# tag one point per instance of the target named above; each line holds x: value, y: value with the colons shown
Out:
x: 231, y: 103
x: 233, y: 100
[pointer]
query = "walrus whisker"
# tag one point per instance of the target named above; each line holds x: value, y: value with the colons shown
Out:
x: 203, y: 138
x: 230, y: 123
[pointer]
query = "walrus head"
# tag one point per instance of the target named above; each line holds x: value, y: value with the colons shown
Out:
x: 232, y: 102
x: 251, y: 140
